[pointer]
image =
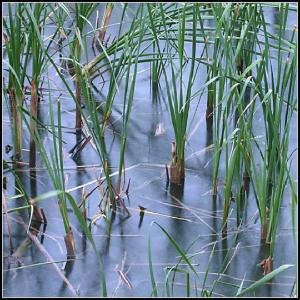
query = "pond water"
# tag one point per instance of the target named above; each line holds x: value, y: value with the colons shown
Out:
x: 187, y: 213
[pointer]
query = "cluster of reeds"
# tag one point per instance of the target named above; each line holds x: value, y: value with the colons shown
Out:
x: 250, y: 71
x: 55, y: 168
x: 178, y: 97
x: 278, y: 106
x: 93, y: 124
x: 15, y: 44
x: 39, y: 13
x: 130, y: 52
x: 274, y: 97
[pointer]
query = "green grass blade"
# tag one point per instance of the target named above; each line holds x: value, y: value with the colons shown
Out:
x: 263, y: 280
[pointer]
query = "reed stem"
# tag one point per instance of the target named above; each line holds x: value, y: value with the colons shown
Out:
x: 33, y: 124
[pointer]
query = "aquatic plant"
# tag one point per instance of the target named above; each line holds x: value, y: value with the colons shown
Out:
x: 55, y: 168
x: 185, y: 257
x: 179, y: 103
x: 277, y: 113
x: 100, y: 39
x: 249, y: 74
x: 128, y: 99
x: 40, y: 13
x: 15, y: 44
x: 82, y: 14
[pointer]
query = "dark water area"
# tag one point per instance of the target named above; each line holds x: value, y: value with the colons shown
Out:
x: 187, y: 213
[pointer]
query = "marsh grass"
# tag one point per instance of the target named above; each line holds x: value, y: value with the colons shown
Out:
x: 128, y: 100
x: 55, y: 170
x: 179, y: 100
x: 104, y: 24
x: 184, y: 257
x: 277, y: 115
x: 82, y: 13
x: 265, y: 90
x: 249, y: 71
x: 40, y: 13
x: 15, y: 43
x: 96, y: 127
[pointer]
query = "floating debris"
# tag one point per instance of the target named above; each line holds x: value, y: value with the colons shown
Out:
x: 8, y: 148
x: 160, y: 129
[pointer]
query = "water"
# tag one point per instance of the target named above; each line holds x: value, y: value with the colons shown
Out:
x: 187, y: 214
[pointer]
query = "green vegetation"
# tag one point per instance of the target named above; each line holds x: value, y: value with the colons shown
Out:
x: 227, y: 56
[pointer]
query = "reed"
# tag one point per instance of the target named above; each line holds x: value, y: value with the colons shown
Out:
x: 128, y: 99
x: 240, y: 140
x: 179, y: 103
x: 15, y: 44
x: 40, y: 13
x: 250, y: 72
x: 82, y: 14
x: 224, y: 96
x: 155, y: 64
x: 272, y: 114
x: 270, y: 179
x: 95, y: 127
x: 104, y: 24
x: 55, y: 169
x: 251, y: 41
x: 229, y: 180
x: 251, y: 289
x: 178, y: 249
x: 276, y: 108
x: 212, y: 72
x: 22, y: 45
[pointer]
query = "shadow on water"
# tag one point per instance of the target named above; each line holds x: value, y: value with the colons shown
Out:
x: 68, y: 268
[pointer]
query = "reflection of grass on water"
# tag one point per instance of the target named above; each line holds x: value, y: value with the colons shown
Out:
x: 249, y: 73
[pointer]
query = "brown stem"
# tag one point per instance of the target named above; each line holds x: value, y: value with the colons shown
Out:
x: 267, y: 265
x: 105, y: 21
x: 215, y: 190
x: 175, y: 175
x: 70, y: 244
x: 83, y: 203
x: 264, y: 232
x: 181, y: 169
x: 210, y: 100
x: 177, y: 171
x: 17, y: 124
